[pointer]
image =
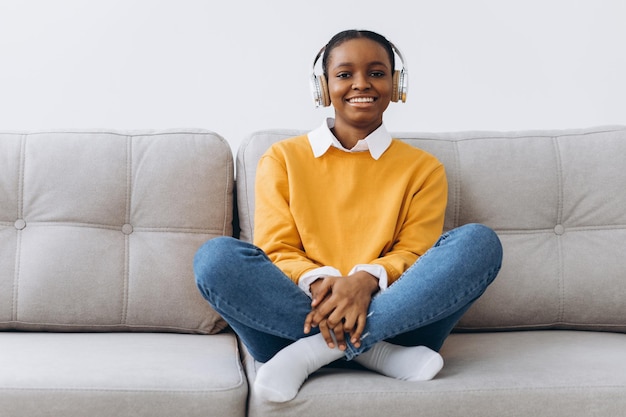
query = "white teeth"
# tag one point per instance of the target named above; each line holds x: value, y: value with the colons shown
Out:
x: 362, y: 100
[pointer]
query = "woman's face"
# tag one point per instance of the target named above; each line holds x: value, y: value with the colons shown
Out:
x: 359, y: 83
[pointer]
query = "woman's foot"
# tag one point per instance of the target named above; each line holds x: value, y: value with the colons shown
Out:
x: 280, y: 378
x: 413, y: 363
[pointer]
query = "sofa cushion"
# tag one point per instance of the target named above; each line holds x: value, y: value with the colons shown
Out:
x: 120, y: 374
x: 98, y: 229
x: 555, y: 198
x: 534, y: 373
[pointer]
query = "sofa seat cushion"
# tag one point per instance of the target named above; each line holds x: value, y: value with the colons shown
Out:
x: 120, y: 374
x: 546, y: 373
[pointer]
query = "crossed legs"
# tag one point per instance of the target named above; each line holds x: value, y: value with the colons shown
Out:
x: 415, y: 314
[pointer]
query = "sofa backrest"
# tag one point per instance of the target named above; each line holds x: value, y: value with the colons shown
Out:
x: 98, y: 229
x: 557, y: 199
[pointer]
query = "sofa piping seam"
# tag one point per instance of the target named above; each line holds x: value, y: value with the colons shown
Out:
x: 559, y: 220
x: 477, y: 390
x: 246, y: 189
x: 153, y: 328
x: 129, y: 185
x: 121, y: 132
x: 238, y: 365
x: 117, y: 227
x: 229, y: 184
x: 121, y: 390
x: 548, y: 326
x: 507, y: 135
x: 575, y: 229
x: 20, y: 214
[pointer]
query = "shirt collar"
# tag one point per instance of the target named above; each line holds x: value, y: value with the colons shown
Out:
x: 321, y: 139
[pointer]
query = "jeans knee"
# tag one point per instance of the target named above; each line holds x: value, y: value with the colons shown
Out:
x: 486, y: 239
x: 480, y: 232
x: 210, y: 257
x: 219, y: 244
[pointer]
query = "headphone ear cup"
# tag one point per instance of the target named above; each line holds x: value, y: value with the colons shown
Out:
x: 319, y: 89
x: 325, y: 96
x: 315, y: 90
x: 395, y: 88
x: 399, y: 88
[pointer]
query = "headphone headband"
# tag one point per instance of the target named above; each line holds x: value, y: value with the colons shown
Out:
x: 319, y: 87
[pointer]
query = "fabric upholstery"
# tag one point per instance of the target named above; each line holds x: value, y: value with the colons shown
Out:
x: 555, y: 198
x: 98, y: 229
x: 514, y: 374
x: 120, y: 374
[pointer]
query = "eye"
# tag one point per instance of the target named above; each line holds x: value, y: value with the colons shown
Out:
x: 377, y: 74
x: 343, y: 75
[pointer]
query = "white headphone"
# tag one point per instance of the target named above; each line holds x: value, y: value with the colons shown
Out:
x: 319, y: 85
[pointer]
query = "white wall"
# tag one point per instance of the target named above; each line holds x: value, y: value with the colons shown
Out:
x: 239, y: 66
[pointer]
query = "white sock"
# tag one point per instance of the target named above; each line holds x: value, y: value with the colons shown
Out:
x: 414, y: 363
x: 280, y: 378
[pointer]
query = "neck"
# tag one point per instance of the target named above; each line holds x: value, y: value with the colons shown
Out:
x: 349, y: 136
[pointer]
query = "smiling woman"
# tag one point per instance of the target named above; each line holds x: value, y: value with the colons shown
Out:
x: 363, y: 75
x: 349, y: 260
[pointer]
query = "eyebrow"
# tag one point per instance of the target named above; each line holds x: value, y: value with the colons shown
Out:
x: 350, y: 64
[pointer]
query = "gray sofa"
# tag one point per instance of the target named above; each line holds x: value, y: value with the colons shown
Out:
x: 101, y: 316
x: 97, y: 297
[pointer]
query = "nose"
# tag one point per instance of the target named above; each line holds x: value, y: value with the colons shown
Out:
x: 360, y: 82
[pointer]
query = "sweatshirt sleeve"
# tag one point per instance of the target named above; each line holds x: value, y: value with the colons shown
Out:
x: 422, y: 226
x: 275, y: 231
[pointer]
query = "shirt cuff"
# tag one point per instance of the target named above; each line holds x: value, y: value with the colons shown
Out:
x: 377, y: 270
x: 313, y: 275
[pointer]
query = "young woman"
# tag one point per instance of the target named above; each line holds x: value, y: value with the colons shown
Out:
x: 349, y: 260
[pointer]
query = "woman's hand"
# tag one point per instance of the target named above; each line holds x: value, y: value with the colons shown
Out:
x: 340, y: 305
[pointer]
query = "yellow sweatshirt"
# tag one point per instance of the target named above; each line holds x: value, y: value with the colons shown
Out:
x: 344, y: 209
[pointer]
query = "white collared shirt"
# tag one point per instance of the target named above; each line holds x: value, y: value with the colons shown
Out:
x: 321, y: 139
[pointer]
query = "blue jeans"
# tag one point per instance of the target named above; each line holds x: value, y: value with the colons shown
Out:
x: 267, y: 310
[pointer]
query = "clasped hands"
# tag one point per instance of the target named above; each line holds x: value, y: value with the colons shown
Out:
x: 339, y: 307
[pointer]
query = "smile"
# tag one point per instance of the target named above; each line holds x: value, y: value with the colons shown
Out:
x: 361, y: 100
